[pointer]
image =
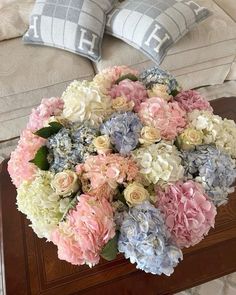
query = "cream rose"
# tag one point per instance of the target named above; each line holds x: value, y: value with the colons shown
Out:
x: 149, y: 135
x: 121, y: 104
x: 159, y: 90
x: 65, y: 183
x: 135, y: 194
x: 190, y: 138
x: 102, y: 144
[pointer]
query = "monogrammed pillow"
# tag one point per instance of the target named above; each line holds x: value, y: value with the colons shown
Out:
x: 73, y: 25
x: 153, y: 26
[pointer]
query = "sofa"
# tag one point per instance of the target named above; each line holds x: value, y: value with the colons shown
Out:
x: 205, y: 56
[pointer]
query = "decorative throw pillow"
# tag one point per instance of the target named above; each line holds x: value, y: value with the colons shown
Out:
x: 73, y: 25
x: 153, y: 26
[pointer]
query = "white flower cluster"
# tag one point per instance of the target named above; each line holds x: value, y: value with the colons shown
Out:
x: 159, y: 163
x: 221, y: 132
x: 82, y: 102
x: 38, y: 201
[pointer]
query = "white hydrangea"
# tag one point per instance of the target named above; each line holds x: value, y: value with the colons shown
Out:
x: 41, y: 205
x: 82, y: 102
x: 221, y: 132
x: 159, y: 163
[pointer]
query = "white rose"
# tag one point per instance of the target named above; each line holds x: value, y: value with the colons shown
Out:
x: 149, y: 135
x: 102, y: 144
x: 65, y: 183
x: 159, y: 90
x: 121, y: 104
x: 135, y: 194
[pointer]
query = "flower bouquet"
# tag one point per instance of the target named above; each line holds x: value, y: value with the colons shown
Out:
x: 125, y: 163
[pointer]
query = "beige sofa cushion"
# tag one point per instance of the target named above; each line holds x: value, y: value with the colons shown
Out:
x: 27, y: 74
x: 14, y: 15
x: 203, y: 56
x: 229, y: 6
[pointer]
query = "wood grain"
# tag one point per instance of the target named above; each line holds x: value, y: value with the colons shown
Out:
x: 32, y: 266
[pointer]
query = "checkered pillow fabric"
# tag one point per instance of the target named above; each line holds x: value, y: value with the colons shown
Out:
x: 73, y: 25
x: 153, y: 26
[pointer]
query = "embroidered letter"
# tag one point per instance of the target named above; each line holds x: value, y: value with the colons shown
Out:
x: 197, y: 7
x: 34, y: 27
x: 157, y: 38
x: 109, y: 17
x: 88, y: 42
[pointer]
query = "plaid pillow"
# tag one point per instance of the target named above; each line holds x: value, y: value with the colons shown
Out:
x: 153, y: 26
x: 73, y: 25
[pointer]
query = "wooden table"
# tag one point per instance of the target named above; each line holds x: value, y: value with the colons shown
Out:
x: 32, y: 266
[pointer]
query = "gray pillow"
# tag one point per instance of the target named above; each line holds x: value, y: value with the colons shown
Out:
x: 153, y: 26
x: 73, y: 25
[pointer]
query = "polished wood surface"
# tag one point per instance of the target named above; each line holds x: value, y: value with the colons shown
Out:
x: 32, y: 267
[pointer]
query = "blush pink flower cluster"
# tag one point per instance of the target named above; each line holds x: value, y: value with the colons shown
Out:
x: 132, y: 91
x: 49, y: 107
x: 86, y: 230
x: 168, y: 118
x: 111, y: 170
x: 188, y: 212
x: 116, y: 72
x: 190, y: 100
x: 18, y: 166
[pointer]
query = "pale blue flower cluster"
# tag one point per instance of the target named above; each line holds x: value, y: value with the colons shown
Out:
x: 70, y: 146
x: 124, y: 131
x: 145, y: 240
x: 156, y: 75
x: 214, y: 169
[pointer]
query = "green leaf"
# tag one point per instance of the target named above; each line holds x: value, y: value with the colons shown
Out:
x: 110, y: 250
x: 174, y: 92
x: 70, y: 206
x: 127, y: 76
x: 40, y: 159
x: 46, y: 132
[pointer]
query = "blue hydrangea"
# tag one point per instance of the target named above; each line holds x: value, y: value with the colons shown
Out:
x: 214, y: 169
x: 124, y: 131
x: 145, y: 240
x: 70, y: 146
x: 156, y: 75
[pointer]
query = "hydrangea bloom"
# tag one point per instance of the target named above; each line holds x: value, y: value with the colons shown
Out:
x: 192, y: 100
x: 107, y: 77
x: 18, y: 166
x: 70, y: 146
x: 124, y: 131
x: 169, y: 118
x: 221, y: 132
x: 111, y: 169
x: 86, y: 230
x: 145, y: 240
x: 187, y: 211
x: 82, y: 102
x: 159, y: 163
x: 156, y: 75
x: 132, y: 91
x: 49, y: 107
x: 214, y: 169
x: 41, y: 205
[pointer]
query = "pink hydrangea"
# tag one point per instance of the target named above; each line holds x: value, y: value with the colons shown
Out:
x: 132, y: 91
x: 168, y: 118
x: 192, y: 100
x: 86, y: 230
x: 189, y: 214
x: 111, y: 169
x: 114, y: 73
x: 49, y: 107
x: 19, y: 167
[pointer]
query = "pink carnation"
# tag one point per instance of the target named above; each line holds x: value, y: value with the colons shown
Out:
x: 191, y: 100
x: 188, y: 212
x: 169, y: 118
x: 86, y: 230
x: 19, y: 167
x: 111, y: 169
x: 132, y: 91
x: 49, y: 107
